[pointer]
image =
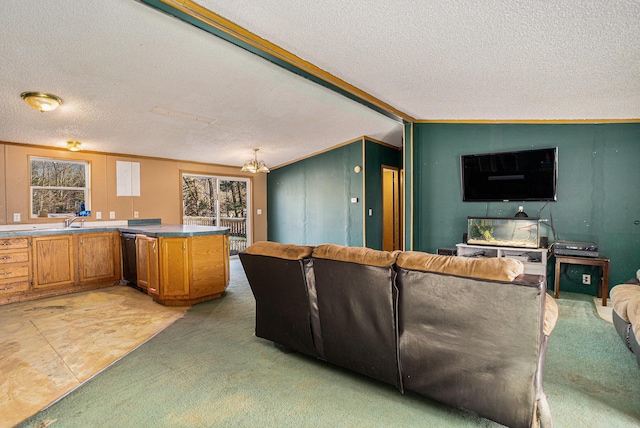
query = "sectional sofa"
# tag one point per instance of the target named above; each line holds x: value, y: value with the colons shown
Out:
x: 625, y: 299
x: 470, y: 333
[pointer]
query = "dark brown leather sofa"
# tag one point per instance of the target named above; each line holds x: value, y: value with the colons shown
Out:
x: 470, y: 333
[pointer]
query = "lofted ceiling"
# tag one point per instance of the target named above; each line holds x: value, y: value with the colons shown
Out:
x: 135, y: 80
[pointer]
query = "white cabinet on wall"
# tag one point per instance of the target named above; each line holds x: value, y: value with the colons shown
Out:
x: 127, y: 178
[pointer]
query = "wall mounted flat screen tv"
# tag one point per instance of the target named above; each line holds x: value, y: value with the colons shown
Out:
x: 523, y: 175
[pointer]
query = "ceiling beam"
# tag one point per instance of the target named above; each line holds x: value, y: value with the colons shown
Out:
x: 193, y: 13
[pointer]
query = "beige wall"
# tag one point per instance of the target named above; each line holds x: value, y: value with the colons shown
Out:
x: 160, y: 186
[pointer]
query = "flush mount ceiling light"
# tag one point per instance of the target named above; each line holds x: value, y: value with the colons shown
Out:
x: 253, y: 165
x: 41, y: 101
x: 74, y: 146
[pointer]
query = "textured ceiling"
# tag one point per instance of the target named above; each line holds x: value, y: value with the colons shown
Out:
x: 136, y: 81
x: 462, y: 60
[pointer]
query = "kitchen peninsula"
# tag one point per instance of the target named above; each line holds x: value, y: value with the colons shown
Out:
x: 180, y: 265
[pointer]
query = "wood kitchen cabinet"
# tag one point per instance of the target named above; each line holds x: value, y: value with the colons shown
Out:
x: 144, y: 244
x: 187, y: 270
x: 15, y: 265
x: 174, y: 268
x: 98, y: 256
x: 53, y: 261
x: 181, y: 269
x: 32, y: 267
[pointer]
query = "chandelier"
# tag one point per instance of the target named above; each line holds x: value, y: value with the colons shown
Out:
x: 253, y: 165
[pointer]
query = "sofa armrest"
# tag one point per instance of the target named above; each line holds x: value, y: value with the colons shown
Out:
x: 528, y: 279
x: 550, y: 314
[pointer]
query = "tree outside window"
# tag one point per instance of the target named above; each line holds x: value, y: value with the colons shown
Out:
x: 216, y: 201
x: 58, y: 187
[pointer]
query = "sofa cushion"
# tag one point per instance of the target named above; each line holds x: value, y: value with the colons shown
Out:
x: 496, y: 269
x: 282, y: 251
x: 550, y: 314
x: 360, y: 255
x: 621, y: 296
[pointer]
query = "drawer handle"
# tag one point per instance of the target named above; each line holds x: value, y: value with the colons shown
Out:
x: 6, y: 243
x: 6, y: 273
x: 5, y: 258
x: 5, y: 289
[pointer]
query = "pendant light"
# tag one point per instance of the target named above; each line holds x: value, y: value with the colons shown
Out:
x: 253, y: 165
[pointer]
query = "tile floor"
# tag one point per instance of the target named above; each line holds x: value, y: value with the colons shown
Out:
x: 50, y: 346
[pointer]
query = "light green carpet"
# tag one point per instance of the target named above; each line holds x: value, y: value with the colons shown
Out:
x: 209, y: 370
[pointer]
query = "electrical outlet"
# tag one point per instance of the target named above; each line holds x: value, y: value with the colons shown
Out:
x: 586, y: 279
x: 112, y: 214
x: 136, y: 214
x: 98, y: 215
x: 16, y: 217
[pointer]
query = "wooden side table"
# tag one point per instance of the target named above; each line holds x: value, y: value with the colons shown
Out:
x: 602, y: 262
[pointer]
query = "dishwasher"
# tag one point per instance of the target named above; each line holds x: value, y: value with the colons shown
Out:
x: 129, y: 270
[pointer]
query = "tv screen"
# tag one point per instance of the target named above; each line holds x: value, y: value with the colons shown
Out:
x: 523, y: 175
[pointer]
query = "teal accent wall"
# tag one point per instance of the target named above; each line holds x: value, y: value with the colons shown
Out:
x: 598, y: 188
x: 376, y: 156
x: 309, y: 201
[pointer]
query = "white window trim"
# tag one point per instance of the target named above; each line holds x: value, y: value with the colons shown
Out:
x: 227, y: 178
x: 86, y: 189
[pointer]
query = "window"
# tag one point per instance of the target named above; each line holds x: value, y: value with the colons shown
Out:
x: 58, y: 187
x: 217, y: 201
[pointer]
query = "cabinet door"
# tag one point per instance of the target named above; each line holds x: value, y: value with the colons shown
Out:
x: 142, y: 261
x: 174, y: 267
x: 209, y: 256
x: 97, y: 258
x: 53, y: 261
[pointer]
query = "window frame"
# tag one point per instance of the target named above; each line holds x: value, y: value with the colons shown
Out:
x: 86, y: 189
x: 221, y: 177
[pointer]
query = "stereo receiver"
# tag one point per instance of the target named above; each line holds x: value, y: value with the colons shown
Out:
x: 575, y: 248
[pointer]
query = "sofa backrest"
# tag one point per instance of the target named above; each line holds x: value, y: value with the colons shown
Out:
x: 281, y: 251
x: 481, y: 339
x: 357, y: 299
x: 280, y: 278
x: 495, y: 269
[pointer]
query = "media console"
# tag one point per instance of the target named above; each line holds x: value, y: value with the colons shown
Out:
x: 534, y: 259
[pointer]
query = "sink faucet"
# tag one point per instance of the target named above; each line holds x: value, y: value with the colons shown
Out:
x: 68, y: 221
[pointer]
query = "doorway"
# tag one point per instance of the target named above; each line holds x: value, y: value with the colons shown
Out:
x: 391, y: 218
x: 209, y: 200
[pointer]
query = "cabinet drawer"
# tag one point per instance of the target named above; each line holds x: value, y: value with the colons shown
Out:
x: 13, y: 243
x: 14, y: 271
x: 13, y: 287
x: 14, y: 257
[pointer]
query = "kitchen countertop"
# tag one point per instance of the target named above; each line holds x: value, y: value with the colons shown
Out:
x: 159, y: 230
x: 153, y: 230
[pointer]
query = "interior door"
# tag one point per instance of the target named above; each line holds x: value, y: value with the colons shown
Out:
x: 390, y: 209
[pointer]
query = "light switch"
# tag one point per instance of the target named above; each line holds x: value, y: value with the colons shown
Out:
x: 98, y: 215
x: 354, y: 200
x: 259, y: 211
x: 136, y: 214
x: 112, y: 214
